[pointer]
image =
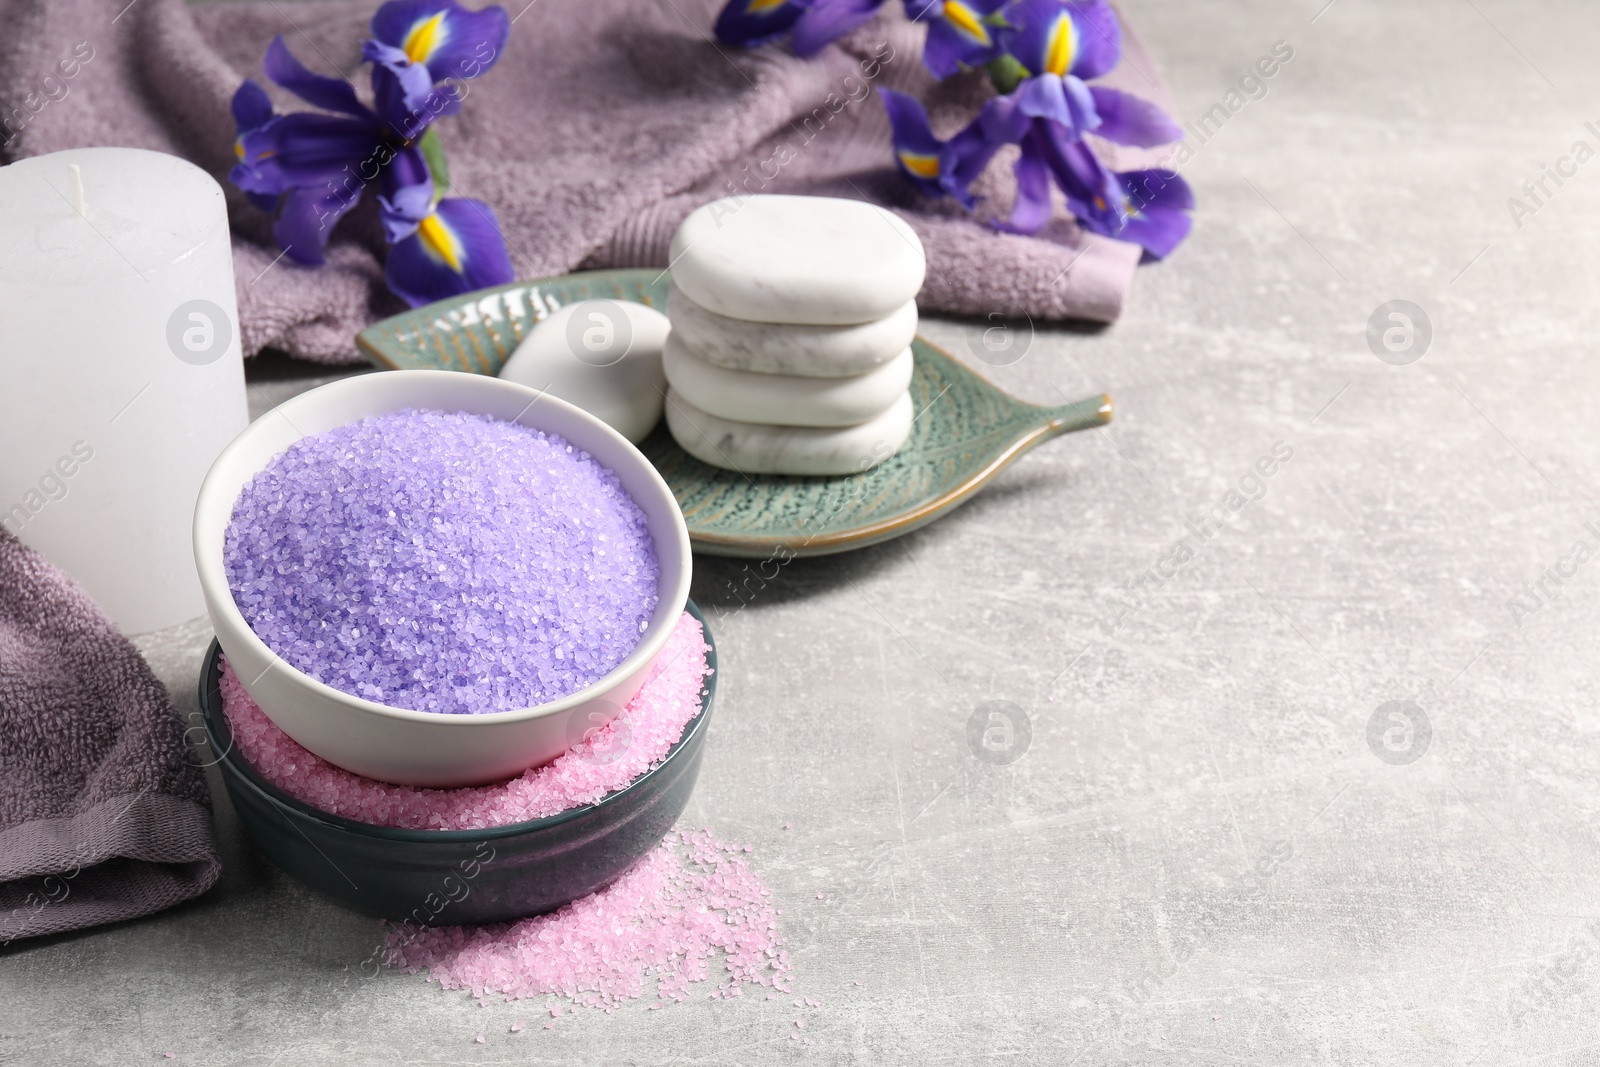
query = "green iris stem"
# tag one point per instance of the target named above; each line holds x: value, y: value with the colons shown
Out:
x: 438, y: 167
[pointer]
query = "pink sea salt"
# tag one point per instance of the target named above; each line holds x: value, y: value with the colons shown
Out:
x: 608, y: 759
x: 442, y: 562
x: 690, y: 900
x: 664, y: 921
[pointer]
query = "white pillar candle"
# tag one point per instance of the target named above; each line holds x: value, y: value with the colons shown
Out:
x: 120, y: 370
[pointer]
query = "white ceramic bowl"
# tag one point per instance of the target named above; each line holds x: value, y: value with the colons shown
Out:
x: 396, y: 744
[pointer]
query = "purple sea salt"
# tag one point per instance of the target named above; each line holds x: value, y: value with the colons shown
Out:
x: 442, y: 562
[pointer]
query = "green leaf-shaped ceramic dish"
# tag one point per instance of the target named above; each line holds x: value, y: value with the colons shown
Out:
x: 965, y: 433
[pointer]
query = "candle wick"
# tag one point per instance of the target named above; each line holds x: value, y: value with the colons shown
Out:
x: 78, y: 204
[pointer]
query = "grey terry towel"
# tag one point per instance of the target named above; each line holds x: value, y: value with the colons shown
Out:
x: 601, y: 126
x: 101, y: 816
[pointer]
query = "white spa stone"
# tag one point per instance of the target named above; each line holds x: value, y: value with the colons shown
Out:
x: 784, y: 399
x: 755, y: 449
x: 602, y: 355
x: 810, y: 260
x: 779, y: 348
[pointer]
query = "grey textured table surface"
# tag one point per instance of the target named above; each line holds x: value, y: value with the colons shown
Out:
x: 1210, y: 851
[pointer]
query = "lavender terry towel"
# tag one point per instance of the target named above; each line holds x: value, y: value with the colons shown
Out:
x: 603, y: 124
x: 101, y: 816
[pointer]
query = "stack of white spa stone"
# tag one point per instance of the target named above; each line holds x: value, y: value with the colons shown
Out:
x: 792, y: 319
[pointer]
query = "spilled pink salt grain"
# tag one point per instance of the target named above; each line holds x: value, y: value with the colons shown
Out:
x: 518, y: 1026
x: 480, y: 1040
x: 689, y: 900
x: 651, y: 723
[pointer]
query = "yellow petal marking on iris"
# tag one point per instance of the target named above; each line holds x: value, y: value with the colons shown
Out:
x: 238, y: 149
x: 424, y: 38
x: 966, y: 20
x: 440, y: 242
x: 1062, y: 46
x: 922, y: 166
x: 763, y: 7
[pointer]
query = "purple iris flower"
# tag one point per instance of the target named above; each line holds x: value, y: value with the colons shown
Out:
x: 960, y: 32
x: 454, y: 248
x: 919, y: 153
x: 1041, y: 54
x: 1148, y: 208
x: 948, y: 168
x: 1062, y: 44
x: 440, y: 246
x: 1058, y: 44
x: 312, y: 167
x: 1093, y: 195
x: 418, y: 45
x: 1155, y: 211
x: 277, y: 153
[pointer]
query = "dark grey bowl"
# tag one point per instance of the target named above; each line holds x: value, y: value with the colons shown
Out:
x: 459, y: 876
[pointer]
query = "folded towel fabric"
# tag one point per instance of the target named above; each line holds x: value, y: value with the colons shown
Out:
x: 603, y: 124
x: 101, y: 815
